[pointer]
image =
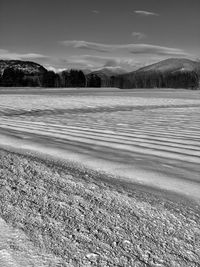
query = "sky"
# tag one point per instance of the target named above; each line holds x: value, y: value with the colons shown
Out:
x: 93, y: 34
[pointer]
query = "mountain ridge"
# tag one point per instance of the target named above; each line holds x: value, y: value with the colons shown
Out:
x: 173, y: 64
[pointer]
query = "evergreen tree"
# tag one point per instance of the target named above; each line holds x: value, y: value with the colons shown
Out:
x: 12, y: 77
x: 49, y: 79
x: 93, y: 80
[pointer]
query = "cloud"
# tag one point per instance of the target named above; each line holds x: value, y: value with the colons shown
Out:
x: 94, y: 62
x: 155, y: 49
x: 85, y: 61
x: 95, y: 11
x: 87, y: 45
x: 5, y: 54
x: 145, y: 13
x: 138, y: 35
x: 130, y: 48
x: 55, y: 69
x: 111, y: 63
x: 117, y: 61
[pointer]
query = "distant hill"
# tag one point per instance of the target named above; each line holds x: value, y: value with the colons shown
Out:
x: 109, y: 71
x: 86, y: 71
x: 173, y: 65
x: 27, y: 67
x: 21, y: 73
x: 169, y: 73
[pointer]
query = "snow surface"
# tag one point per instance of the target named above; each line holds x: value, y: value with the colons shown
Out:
x: 153, y: 140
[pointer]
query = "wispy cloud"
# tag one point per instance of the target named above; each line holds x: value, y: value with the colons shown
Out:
x: 130, y: 48
x: 138, y: 35
x: 5, y: 54
x: 157, y: 50
x: 146, y: 13
x: 94, y: 62
x: 95, y: 11
x: 126, y: 56
x: 87, y: 45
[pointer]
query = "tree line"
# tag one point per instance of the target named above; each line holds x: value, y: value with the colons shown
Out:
x: 73, y: 78
x: 183, y: 79
x: 76, y: 78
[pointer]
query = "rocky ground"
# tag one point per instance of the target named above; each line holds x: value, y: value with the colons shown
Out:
x: 55, y: 214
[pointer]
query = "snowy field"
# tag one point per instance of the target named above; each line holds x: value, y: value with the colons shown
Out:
x: 148, y: 137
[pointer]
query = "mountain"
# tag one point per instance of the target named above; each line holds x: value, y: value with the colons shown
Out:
x: 27, y: 67
x: 86, y: 71
x: 172, y: 65
x: 169, y: 73
x: 109, y: 71
x: 21, y: 73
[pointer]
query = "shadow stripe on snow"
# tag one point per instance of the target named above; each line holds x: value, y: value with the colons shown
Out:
x: 41, y: 112
x: 120, y: 147
x: 115, y: 139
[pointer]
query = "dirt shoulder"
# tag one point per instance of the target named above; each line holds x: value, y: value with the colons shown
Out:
x: 71, y: 216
